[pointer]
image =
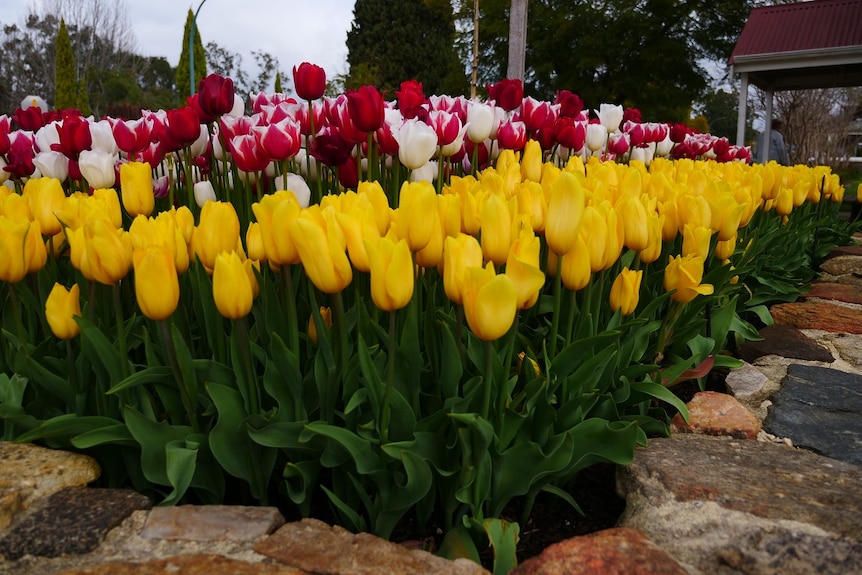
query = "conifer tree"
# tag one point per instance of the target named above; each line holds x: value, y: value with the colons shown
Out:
x: 65, y: 80
x: 183, y: 68
x: 278, y: 88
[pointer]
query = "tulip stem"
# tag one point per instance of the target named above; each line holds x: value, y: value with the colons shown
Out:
x: 122, y: 345
x: 289, y: 305
x: 16, y: 314
x: 251, y: 395
x: 488, y: 381
x: 573, y: 308
x: 171, y: 349
x: 385, y: 412
x: 555, y: 318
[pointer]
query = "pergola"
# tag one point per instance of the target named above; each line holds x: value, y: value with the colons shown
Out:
x: 799, y: 46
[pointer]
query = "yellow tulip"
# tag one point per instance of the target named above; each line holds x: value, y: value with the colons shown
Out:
x: 45, y: 196
x: 35, y: 250
x: 13, y: 237
x: 565, y: 212
x: 61, y: 307
x: 322, y: 250
x: 102, y: 252
x: 633, y: 214
x: 382, y: 211
x: 157, y: 287
x: 136, y: 183
x: 725, y: 249
x: 784, y: 201
x: 232, y: 289
x: 694, y: 210
x: 490, y: 302
x: 496, y: 230
x: 684, y: 274
x: 254, y: 242
x: 391, y: 273
x: 575, y: 269
x: 522, y: 265
x: 107, y: 202
x: 326, y: 316
x: 531, y: 162
x: 625, y: 291
x: 217, y: 232
x: 16, y: 207
x: 695, y: 240
x: 274, y: 213
x: 449, y: 210
x: 594, y: 232
x: 416, y: 202
x: 531, y: 201
x: 670, y: 228
x: 164, y: 231
x: 654, y: 229
x: 616, y: 237
x: 358, y: 225
x: 459, y: 253
x: 431, y: 256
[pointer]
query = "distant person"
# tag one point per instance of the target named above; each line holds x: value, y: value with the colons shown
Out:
x: 777, y: 149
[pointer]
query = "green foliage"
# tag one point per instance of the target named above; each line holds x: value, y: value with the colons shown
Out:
x: 395, y: 40
x: 200, y: 59
x: 66, y: 86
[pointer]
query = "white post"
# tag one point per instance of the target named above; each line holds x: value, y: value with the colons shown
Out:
x: 743, y: 107
x: 767, y: 130
x: 517, y: 40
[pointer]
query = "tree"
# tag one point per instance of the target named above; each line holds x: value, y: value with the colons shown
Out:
x: 65, y: 78
x: 643, y: 54
x: 720, y: 108
x: 229, y: 64
x: 395, y: 40
x: 200, y: 59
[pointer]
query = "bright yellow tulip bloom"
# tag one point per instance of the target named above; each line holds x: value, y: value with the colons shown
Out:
x: 565, y: 212
x: 274, y: 213
x: 254, y: 243
x: 322, y: 251
x: 61, y: 307
x: 633, y: 214
x: 496, y: 230
x: 35, y: 250
x: 13, y: 238
x: 684, y: 274
x: 45, y: 196
x: 157, y: 287
x: 416, y: 202
x: 459, y: 253
x: 625, y: 291
x: 490, y: 302
x: 725, y: 249
x: 102, y: 252
x: 232, y: 289
x: 107, y: 202
x: 575, y: 269
x: 531, y: 162
x: 391, y: 273
x: 136, y: 183
x: 217, y: 232
x: 695, y: 240
x: 522, y: 266
x: 654, y: 228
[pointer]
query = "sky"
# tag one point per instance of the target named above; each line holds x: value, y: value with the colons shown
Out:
x: 292, y: 31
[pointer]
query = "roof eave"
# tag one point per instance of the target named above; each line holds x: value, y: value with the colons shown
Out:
x: 837, y: 56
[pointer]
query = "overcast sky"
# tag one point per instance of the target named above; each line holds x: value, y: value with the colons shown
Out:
x: 292, y: 31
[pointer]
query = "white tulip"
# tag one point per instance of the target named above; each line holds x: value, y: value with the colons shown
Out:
x: 426, y: 173
x: 417, y: 142
x: 596, y: 136
x: 296, y: 184
x: 97, y: 167
x: 204, y: 192
x: 664, y: 147
x: 47, y: 135
x: 103, y: 137
x: 199, y: 146
x: 52, y: 164
x: 610, y: 116
x: 480, y: 121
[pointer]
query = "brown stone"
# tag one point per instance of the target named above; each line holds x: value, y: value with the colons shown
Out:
x: 211, y: 522
x: 31, y: 472
x: 842, y: 265
x: 784, y: 341
x: 713, y: 413
x: 709, y: 501
x: 818, y: 315
x: 196, y: 564
x: 314, y: 546
x: 835, y: 291
x: 617, y: 551
x: 845, y: 251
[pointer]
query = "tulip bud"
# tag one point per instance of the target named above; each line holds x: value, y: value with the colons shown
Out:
x: 136, y: 183
x: 625, y: 291
x: 326, y: 316
x: 157, y: 288
x: 490, y: 302
x: 232, y: 288
x: 391, y: 266
x: 61, y: 307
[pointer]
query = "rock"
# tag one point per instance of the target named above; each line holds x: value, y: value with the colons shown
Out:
x: 746, y: 381
x: 31, y: 472
x: 197, y: 564
x: 617, y: 551
x: 715, y: 503
x: 785, y: 341
x: 71, y: 521
x: 211, y: 522
x: 845, y: 251
x: 842, y: 265
x: 848, y: 346
x: 835, y: 291
x: 314, y: 546
x: 819, y: 409
x: 714, y: 413
x: 825, y: 316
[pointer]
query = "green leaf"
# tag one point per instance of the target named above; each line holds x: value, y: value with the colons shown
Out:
x: 109, y: 434
x: 150, y: 375
x: 503, y: 536
x: 565, y: 496
x: 100, y: 349
x: 661, y: 393
x: 180, y: 462
x: 65, y: 427
x: 577, y: 352
x: 153, y: 437
x: 345, y: 442
x: 233, y: 447
x: 458, y: 543
x: 357, y: 522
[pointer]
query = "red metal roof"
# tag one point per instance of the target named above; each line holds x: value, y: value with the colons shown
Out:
x: 801, y: 26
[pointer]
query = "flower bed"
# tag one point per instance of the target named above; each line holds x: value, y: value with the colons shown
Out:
x: 431, y: 307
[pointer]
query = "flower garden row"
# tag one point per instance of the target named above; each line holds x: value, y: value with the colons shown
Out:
x: 432, y: 307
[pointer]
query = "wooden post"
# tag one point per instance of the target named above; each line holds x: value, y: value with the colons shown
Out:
x: 474, y: 77
x: 517, y: 39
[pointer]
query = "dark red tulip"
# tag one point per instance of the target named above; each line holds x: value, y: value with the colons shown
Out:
x: 215, y: 95
x: 329, y: 147
x: 75, y: 137
x: 410, y: 98
x: 29, y: 119
x: 348, y: 173
x: 366, y: 106
x: 570, y: 103
x: 632, y: 115
x: 571, y: 133
x: 183, y: 125
x: 508, y: 93
x: 309, y: 81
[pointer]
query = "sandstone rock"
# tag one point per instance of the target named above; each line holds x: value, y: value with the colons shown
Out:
x: 835, y: 291
x: 314, y: 546
x: 848, y: 346
x: 785, y: 341
x: 31, y: 472
x: 845, y: 251
x: 197, y: 564
x: 746, y: 381
x: 825, y: 316
x: 718, y: 504
x: 714, y: 413
x: 842, y: 265
x: 820, y: 409
x: 71, y: 521
x: 211, y: 522
x: 617, y: 551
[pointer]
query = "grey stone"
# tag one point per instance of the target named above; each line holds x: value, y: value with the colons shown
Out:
x: 746, y: 381
x: 71, y: 521
x: 211, y: 522
x: 819, y: 409
x: 842, y: 265
x: 720, y: 506
x: 785, y: 341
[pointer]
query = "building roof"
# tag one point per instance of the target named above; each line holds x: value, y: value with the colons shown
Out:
x: 815, y: 44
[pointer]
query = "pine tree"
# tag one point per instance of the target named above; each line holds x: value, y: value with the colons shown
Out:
x: 278, y: 88
x: 395, y: 40
x: 182, y: 77
x: 65, y: 81
x: 83, y: 96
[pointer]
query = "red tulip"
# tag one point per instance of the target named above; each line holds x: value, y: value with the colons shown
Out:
x: 386, y: 142
x: 247, y: 155
x: 30, y: 119
x: 507, y: 93
x: 536, y: 115
x: 512, y: 135
x: 309, y: 80
x: 410, y: 98
x: 183, y: 125
x: 4, y: 134
x: 632, y: 115
x: 365, y: 106
x: 329, y: 147
x: 618, y: 143
x: 215, y: 95
x: 132, y: 136
x: 570, y: 103
x: 19, y: 158
x: 348, y: 174
x: 678, y: 132
x: 446, y: 125
x: 278, y: 141
x: 75, y: 137
x: 571, y: 134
